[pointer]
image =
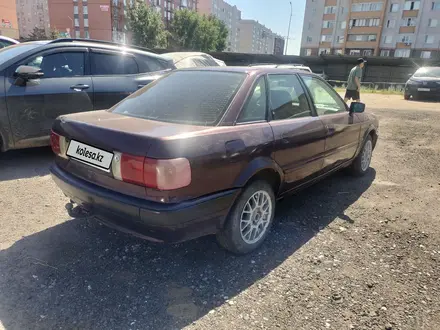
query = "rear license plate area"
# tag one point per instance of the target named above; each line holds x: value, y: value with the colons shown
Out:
x: 89, y: 155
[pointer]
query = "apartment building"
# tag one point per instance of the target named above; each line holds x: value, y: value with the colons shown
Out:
x: 95, y: 19
x: 256, y: 38
x: 396, y: 28
x: 8, y: 19
x: 229, y: 14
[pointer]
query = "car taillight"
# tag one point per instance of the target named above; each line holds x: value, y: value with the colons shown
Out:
x: 58, y: 144
x: 162, y: 174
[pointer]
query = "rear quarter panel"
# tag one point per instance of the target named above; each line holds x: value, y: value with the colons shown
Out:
x: 214, y: 167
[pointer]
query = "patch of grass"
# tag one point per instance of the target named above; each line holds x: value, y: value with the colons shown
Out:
x: 391, y: 90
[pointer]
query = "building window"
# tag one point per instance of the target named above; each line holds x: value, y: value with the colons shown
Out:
x: 330, y: 10
x: 367, y: 6
x: 328, y: 24
x: 355, y: 52
x: 343, y: 25
x: 367, y: 52
x: 76, y: 22
x: 85, y: 10
x: 362, y: 37
x: 310, y: 26
x: 385, y: 53
x: 406, y: 39
x: 429, y: 39
x: 433, y: 22
x: 388, y: 39
x: 77, y: 34
x: 86, y: 34
x: 324, y: 51
x: 75, y: 10
x: 326, y: 38
x: 409, y: 22
x: 425, y: 54
x: 86, y: 22
x: 402, y: 53
x: 341, y: 39
x: 435, y: 5
x: 339, y: 52
x: 309, y: 39
x: 391, y: 23
x: 412, y: 5
x: 365, y: 22
x: 308, y: 52
x: 394, y: 7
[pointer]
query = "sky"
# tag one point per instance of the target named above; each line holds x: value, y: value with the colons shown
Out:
x: 275, y: 14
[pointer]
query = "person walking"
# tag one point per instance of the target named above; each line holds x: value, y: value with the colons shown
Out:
x: 354, y: 82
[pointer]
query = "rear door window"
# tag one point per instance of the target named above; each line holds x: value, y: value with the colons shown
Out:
x: 184, y: 97
x: 287, y: 98
x: 255, y: 108
x: 104, y: 64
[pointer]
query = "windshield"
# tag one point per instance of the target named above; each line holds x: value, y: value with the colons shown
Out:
x: 12, y: 51
x: 428, y: 72
x: 184, y: 97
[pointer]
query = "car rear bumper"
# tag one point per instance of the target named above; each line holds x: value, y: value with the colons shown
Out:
x: 149, y: 220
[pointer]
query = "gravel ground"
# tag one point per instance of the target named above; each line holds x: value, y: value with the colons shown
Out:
x: 345, y: 254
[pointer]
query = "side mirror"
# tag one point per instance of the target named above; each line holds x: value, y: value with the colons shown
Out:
x: 357, y: 107
x: 25, y: 73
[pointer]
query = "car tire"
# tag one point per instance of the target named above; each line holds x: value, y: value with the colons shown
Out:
x: 406, y: 96
x: 253, y: 211
x: 361, y: 163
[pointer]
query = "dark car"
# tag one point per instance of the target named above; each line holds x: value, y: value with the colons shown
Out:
x: 424, y: 83
x: 42, y: 80
x: 212, y: 157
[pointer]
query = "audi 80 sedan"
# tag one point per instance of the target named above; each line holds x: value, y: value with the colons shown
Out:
x: 208, y: 151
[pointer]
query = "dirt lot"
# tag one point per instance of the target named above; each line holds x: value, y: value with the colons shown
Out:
x: 345, y: 254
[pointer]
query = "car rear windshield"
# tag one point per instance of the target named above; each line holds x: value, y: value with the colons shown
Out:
x: 428, y: 72
x: 184, y: 97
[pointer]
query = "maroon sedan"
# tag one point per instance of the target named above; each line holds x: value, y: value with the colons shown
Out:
x: 209, y: 151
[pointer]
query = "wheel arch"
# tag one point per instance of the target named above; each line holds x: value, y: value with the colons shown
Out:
x: 261, y: 168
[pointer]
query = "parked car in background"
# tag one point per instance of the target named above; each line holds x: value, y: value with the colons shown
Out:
x: 184, y: 60
x: 42, y: 80
x: 211, y: 158
x: 6, y: 41
x: 291, y: 66
x: 424, y: 83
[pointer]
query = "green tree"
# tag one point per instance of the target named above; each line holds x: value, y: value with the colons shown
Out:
x: 147, y: 26
x: 40, y: 34
x: 190, y: 30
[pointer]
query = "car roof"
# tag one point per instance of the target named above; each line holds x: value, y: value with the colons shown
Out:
x: 247, y: 69
x: 9, y: 39
x: 103, y: 45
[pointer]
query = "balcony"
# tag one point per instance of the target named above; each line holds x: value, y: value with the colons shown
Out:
x: 326, y: 31
x: 331, y: 3
x: 407, y: 29
x: 325, y: 44
x: 364, y: 30
x: 410, y: 13
x: 329, y: 17
x: 361, y: 44
x: 365, y: 14
x: 404, y: 45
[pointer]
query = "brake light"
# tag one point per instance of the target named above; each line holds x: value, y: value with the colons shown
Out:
x: 58, y: 144
x: 162, y: 174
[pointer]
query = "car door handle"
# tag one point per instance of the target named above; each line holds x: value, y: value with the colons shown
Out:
x: 330, y: 130
x: 79, y: 87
